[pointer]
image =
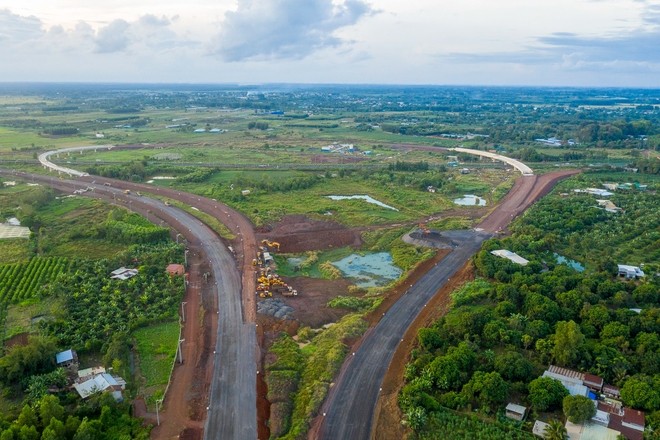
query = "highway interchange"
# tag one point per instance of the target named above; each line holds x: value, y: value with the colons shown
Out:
x: 348, y: 410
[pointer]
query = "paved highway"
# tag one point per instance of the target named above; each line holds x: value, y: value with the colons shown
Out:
x: 350, y: 405
x: 232, y: 411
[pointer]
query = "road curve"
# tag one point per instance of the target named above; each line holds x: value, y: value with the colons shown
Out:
x: 47, y: 164
x: 232, y: 410
x: 524, y: 169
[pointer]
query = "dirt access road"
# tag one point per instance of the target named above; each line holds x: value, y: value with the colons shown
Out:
x: 232, y: 413
x: 348, y: 411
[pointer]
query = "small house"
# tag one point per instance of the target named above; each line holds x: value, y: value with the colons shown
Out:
x: 539, y: 428
x: 175, y: 269
x: 67, y: 359
x: 431, y: 189
x: 93, y: 371
x: 516, y: 412
x: 630, y: 272
x: 465, y: 171
x: 123, y: 274
x: 200, y: 130
x: 593, y: 382
x: 101, y: 383
x: 245, y: 192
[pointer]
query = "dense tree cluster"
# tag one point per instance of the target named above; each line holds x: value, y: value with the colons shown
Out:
x: 501, y: 334
x: 55, y: 418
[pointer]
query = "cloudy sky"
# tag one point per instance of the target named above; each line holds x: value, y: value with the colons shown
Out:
x: 480, y: 42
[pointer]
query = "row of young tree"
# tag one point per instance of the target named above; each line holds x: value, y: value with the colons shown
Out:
x: 22, y: 281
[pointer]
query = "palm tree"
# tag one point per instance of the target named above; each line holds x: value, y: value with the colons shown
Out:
x: 555, y: 431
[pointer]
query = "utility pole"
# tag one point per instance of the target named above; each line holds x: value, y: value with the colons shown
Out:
x: 158, y: 402
x: 177, y: 238
x: 181, y: 354
x: 183, y: 311
x: 185, y: 257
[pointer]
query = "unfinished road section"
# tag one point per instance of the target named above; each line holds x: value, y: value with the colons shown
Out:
x: 47, y: 164
x: 524, y: 169
x: 348, y: 411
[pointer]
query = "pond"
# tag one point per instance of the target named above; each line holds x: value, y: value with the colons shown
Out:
x: 367, y: 198
x: 470, y: 199
x: 570, y: 263
x: 369, y: 270
x: 294, y: 261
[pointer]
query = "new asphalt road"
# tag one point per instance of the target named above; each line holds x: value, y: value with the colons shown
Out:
x: 350, y: 405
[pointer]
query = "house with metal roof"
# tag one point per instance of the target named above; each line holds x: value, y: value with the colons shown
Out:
x: 66, y: 359
x: 516, y: 412
x: 100, y: 383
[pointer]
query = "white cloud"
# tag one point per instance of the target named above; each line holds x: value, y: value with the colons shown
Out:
x: 15, y: 28
x: 284, y: 29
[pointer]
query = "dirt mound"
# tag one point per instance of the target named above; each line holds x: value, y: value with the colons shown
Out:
x: 297, y: 233
x: 432, y: 239
x: 437, y: 239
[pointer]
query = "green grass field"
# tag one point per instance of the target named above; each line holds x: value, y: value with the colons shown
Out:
x: 156, y: 346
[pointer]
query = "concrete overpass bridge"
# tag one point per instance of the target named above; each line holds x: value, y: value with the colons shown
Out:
x: 524, y: 169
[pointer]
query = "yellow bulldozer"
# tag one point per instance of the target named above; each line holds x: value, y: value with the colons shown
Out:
x: 271, y: 244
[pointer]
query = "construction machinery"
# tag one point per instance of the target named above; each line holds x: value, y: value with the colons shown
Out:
x: 168, y: 204
x: 269, y: 283
x: 423, y: 227
x: 271, y: 244
x: 264, y: 294
x: 138, y: 193
x: 128, y: 191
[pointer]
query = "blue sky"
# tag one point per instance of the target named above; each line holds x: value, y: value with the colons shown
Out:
x: 484, y: 42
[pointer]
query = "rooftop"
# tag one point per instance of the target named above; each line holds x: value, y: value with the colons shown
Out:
x: 64, y: 356
x: 539, y: 428
x: 503, y: 253
x: 518, y: 409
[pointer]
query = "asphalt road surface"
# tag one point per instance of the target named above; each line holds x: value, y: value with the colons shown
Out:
x: 350, y: 405
x: 232, y: 413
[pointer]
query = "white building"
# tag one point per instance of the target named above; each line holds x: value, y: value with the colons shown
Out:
x: 503, y: 253
x: 123, y: 274
x: 630, y: 271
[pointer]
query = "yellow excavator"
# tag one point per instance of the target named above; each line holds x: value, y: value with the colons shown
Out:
x: 271, y: 243
x: 423, y: 227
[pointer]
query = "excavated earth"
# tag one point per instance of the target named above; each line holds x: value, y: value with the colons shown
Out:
x: 297, y: 233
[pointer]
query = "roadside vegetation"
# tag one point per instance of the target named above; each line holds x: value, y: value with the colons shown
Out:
x: 305, y: 375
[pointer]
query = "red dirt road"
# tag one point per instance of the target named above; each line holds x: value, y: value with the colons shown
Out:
x: 524, y: 193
